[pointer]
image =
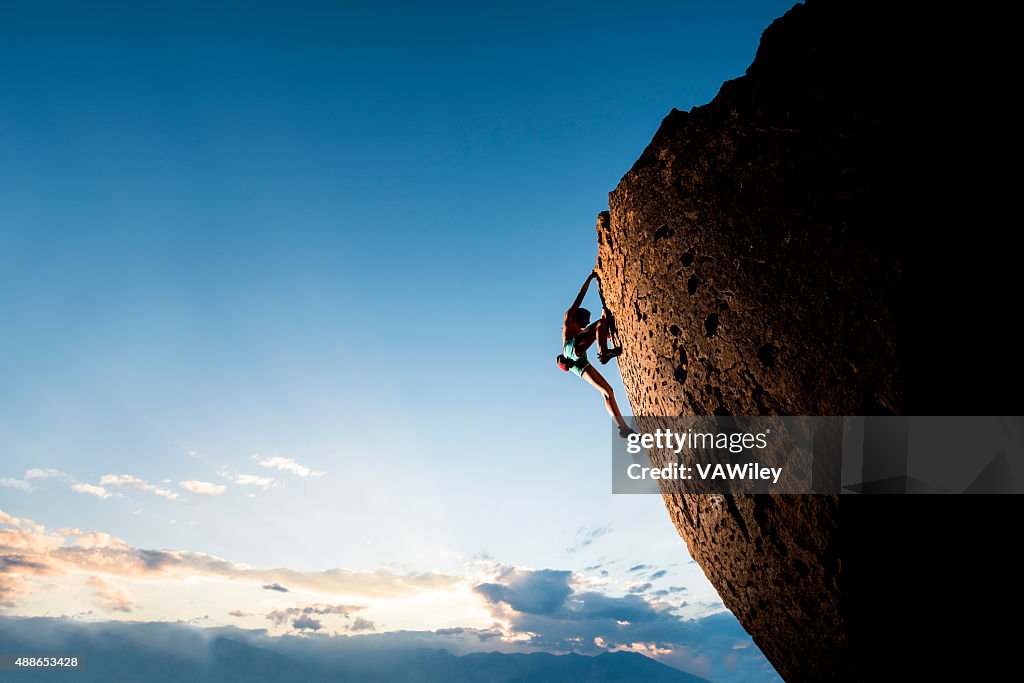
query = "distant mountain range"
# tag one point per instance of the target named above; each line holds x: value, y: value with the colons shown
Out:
x: 117, y: 652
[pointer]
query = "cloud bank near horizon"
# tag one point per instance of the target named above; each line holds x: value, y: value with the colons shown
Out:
x: 93, y: 575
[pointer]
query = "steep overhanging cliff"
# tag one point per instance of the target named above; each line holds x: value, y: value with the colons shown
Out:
x: 750, y: 265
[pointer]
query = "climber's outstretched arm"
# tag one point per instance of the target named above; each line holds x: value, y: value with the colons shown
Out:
x: 583, y: 293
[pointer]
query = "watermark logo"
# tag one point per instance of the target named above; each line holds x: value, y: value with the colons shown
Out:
x: 823, y: 454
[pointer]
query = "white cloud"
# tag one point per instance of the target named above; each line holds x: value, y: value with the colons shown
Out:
x: 73, y: 551
x: 254, y: 480
x: 203, y: 487
x: 130, y: 481
x: 286, y: 465
x: 15, y: 484
x: 91, y: 540
x: 250, y: 479
x: 108, y: 597
x: 97, y: 491
x: 36, y: 473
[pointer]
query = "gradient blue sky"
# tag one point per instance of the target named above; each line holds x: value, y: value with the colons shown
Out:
x: 334, y: 233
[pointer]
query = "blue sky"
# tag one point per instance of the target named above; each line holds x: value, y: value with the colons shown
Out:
x: 334, y: 235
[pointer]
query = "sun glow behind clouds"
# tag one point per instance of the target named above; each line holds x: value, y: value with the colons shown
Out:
x: 93, y: 576
x: 100, y: 574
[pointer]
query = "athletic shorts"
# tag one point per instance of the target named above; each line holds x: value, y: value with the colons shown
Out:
x: 580, y: 362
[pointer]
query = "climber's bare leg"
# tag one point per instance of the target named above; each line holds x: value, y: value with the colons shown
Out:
x: 604, y: 353
x: 585, y: 338
x: 594, y: 377
x: 596, y: 331
x: 602, y: 333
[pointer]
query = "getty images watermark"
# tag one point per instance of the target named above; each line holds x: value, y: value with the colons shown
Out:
x: 676, y: 442
x: 806, y: 455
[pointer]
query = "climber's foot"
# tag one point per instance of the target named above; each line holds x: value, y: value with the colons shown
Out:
x: 625, y: 432
x: 608, y: 354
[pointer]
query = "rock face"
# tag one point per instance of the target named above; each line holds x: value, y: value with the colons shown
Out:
x: 749, y: 266
x: 741, y: 254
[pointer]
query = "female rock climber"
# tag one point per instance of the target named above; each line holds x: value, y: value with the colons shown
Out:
x: 577, y: 336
